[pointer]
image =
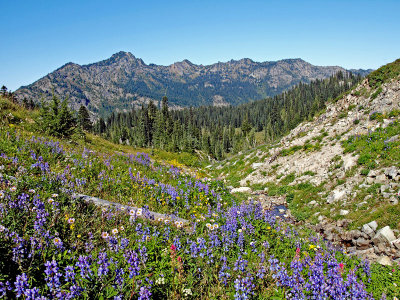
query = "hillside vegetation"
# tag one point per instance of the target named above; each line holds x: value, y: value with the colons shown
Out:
x: 205, y: 243
x: 54, y: 246
x: 219, y: 132
x: 339, y: 172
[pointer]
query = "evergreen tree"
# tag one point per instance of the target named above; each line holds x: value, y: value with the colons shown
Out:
x: 84, y: 119
x: 3, y: 91
x: 66, y: 122
x: 56, y: 119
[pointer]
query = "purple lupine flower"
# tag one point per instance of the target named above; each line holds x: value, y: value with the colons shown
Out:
x: 103, y: 263
x: 144, y: 293
x: 34, y: 294
x: 21, y: 284
x: 83, y: 264
x: 134, y: 264
x: 244, y: 287
x: 69, y: 274
x: 53, y: 276
x: 119, y: 277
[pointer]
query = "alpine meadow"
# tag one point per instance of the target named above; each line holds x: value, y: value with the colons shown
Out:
x: 241, y: 179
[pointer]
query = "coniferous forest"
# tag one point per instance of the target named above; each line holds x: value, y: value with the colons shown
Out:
x: 218, y: 131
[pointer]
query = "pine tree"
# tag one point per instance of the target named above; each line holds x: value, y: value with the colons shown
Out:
x: 56, y: 119
x: 66, y: 122
x: 84, y: 119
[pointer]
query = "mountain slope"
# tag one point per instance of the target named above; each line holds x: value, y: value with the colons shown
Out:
x: 123, y: 81
x: 341, y: 170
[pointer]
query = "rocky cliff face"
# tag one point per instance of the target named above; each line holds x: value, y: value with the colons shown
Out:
x: 124, y: 81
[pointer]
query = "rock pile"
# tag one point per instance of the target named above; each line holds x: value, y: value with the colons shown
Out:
x: 366, y: 242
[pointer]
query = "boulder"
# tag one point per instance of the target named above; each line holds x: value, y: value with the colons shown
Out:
x: 351, y: 235
x: 393, y: 200
x: 364, y: 253
x: 384, y: 188
x: 380, y: 248
x: 391, y: 172
x: 384, y: 235
x: 373, y: 225
x: 384, y: 260
x: 396, y: 244
x: 349, y: 161
x: 336, y: 195
x: 242, y: 189
x: 362, y: 243
x: 368, y: 230
x: 370, y: 180
x: 380, y: 178
x: 343, y: 223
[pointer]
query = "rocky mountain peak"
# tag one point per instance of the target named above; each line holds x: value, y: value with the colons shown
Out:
x: 122, y: 80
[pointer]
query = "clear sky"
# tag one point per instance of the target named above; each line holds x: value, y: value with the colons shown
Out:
x: 39, y: 36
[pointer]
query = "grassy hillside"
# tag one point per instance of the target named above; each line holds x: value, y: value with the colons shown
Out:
x: 56, y: 247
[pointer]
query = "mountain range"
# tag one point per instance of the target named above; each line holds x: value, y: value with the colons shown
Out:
x: 124, y: 81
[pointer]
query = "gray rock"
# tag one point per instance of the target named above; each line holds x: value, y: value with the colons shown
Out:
x: 368, y: 230
x: 242, y: 189
x: 384, y: 260
x: 373, y: 225
x: 312, y: 202
x: 380, y: 178
x: 343, y: 223
x: 349, y: 162
x: 256, y: 165
x: 384, y: 235
x: 372, y: 173
x: 393, y: 200
x: 343, y: 212
x: 396, y: 244
x: 391, y: 172
x: 386, y: 195
x: 362, y: 243
x: 380, y: 248
x: 384, y: 188
x: 336, y: 195
x: 370, y: 180
x: 363, y: 253
x: 351, y: 250
x: 351, y: 235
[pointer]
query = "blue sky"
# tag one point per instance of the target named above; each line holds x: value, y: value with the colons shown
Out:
x: 39, y: 36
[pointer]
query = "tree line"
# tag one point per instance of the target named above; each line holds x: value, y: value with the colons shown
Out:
x: 218, y: 131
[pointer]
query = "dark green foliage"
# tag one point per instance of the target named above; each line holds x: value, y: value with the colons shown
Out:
x: 376, y: 146
x: 384, y: 74
x: 376, y: 93
x: 218, y: 131
x: 376, y: 116
x: 57, y: 119
x: 84, y: 118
